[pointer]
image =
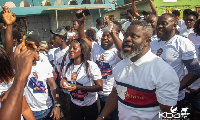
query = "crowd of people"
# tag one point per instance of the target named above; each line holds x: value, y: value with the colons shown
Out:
x: 148, y: 71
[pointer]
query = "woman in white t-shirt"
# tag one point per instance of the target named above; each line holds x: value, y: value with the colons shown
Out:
x: 6, y: 80
x: 82, y: 80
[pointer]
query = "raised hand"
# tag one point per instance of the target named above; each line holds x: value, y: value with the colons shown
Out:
x: 29, y: 45
x: 8, y: 17
x: 82, y: 18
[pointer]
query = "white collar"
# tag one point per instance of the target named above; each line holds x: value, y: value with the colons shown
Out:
x: 145, y: 58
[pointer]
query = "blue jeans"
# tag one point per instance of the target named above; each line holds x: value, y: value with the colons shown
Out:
x: 114, y: 114
x: 43, y: 114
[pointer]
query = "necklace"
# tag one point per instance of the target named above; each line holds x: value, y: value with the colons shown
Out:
x: 75, y: 74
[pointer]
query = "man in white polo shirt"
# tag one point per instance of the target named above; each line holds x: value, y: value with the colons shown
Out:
x: 144, y: 84
x: 177, y: 51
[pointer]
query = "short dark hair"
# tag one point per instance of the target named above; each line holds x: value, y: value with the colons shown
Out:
x: 194, y: 13
x: 100, y: 21
x: 34, y: 38
x: 91, y: 33
x: 68, y: 28
x: 171, y: 15
x: 76, y: 21
x: 17, y: 35
x: 146, y: 12
x: 176, y: 12
x: 186, y: 11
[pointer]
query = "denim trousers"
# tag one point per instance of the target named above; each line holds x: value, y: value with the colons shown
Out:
x: 43, y: 114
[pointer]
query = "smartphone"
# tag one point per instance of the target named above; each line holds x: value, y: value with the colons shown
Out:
x: 80, y: 15
x: 86, y: 12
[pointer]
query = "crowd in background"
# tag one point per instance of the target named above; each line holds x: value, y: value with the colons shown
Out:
x: 144, y: 71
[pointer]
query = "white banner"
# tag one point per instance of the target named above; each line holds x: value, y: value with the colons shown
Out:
x: 169, y: 0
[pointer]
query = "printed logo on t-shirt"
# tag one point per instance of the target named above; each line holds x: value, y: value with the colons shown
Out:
x: 159, y: 52
x: 36, y: 85
x: 136, y: 97
x: 105, y: 68
x: 78, y: 94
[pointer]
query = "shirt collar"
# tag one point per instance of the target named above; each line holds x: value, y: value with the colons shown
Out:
x: 145, y: 58
x: 170, y: 40
x: 64, y: 50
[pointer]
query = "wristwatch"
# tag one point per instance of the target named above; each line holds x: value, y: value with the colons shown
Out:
x: 101, y: 116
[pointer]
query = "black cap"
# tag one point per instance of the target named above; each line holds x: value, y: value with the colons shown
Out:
x: 59, y: 31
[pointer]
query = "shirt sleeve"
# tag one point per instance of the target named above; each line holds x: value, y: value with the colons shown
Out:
x: 95, y: 71
x: 95, y: 49
x: 51, y: 55
x: 192, y: 66
x: 117, y: 59
x: 50, y: 70
x: 188, y: 49
x: 167, y: 87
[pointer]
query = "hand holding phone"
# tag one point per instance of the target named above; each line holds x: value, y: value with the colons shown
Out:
x: 79, y: 14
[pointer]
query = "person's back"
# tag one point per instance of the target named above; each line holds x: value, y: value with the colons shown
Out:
x: 36, y: 91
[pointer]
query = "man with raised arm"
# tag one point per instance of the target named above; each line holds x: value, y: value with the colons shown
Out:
x: 106, y: 57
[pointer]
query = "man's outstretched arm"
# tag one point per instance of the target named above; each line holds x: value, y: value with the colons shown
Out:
x: 111, y: 104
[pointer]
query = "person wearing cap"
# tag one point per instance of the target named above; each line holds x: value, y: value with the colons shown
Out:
x: 60, y: 40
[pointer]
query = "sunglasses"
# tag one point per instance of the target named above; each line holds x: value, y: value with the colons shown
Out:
x: 189, y: 20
